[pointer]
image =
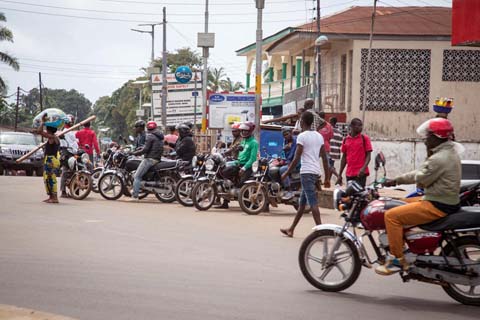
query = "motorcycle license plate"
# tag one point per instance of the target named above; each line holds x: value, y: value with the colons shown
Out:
x: 210, y: 172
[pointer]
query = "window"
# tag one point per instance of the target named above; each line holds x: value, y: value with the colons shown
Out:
x: 343, y: 80
x: 470, y: 171
x: 461, y: 65
x: 399, y: 80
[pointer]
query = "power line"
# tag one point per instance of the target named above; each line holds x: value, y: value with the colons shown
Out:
x: 140, y: 13
x: 81, y: 64
x: 74, y: 70
x: 71, y: 76
x: 181, y: 3
x: 412, y: 12
x: 133, y: 21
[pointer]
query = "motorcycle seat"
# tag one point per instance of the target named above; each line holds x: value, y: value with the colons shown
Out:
x: 466, y: 218
x: 166, y: 164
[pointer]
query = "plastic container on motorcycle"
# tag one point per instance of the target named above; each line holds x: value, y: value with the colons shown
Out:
x: 132, y: 164
x: 373, y: 216
x: 421, y: 242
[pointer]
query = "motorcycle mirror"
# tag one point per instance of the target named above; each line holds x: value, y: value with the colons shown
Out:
x: 379, y: 160
x: 131, y: 138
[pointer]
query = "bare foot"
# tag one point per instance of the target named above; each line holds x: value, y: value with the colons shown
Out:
x: 287, y: 232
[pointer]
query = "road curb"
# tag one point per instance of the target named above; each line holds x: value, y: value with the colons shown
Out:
x: 16, y: 313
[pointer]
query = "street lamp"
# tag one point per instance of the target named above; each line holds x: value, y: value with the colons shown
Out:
x: 152, y: 33
x: 140, y: 84
x: 320, y: 41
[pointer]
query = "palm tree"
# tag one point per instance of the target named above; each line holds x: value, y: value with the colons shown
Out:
x: 229, y: 85
x: 6, y: 35
x: 215, y: 78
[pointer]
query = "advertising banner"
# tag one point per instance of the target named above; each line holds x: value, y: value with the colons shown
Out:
x: 225, y: 109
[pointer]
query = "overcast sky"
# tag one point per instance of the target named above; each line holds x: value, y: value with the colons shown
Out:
x: 96, y: 57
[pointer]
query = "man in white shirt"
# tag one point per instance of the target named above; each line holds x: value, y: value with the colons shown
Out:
x: 68, y: 147
x: 310, y: 147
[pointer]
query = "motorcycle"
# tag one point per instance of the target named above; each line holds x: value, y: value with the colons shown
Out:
x: 213, y: 184
x: 469, y: 194
x: 107, y: 165
x: 445, y: 252
x: 265, y: 188
x: 159, y: 180
x: 183, y: 189
x: 79, y: 180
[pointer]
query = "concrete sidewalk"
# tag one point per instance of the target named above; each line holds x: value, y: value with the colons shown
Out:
x: 15, y: 313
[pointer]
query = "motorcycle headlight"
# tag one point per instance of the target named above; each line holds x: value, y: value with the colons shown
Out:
x: 209, y: 164
x: 337, y: 198
x: 85, y: 158
x: 194, y: 161
x: 255, y: 167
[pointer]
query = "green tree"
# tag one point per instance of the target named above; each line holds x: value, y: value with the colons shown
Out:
x: 6, y: 35
x: 182, y: 57
x: 229, y: 85
x: 215, y: 78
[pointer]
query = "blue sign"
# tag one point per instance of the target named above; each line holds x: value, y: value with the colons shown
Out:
x: 183, y: 74
x: 217, y: 98
x: 194, y: 93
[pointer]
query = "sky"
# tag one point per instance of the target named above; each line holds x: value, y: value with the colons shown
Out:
x: 98, y: 55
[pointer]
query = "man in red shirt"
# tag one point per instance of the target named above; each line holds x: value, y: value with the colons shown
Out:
x: 85, y: 137
x: 356, y: 149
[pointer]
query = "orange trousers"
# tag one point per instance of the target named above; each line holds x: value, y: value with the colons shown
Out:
x: 411, y: 214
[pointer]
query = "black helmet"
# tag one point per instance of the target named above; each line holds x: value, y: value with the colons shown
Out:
x: 140, y: 124
x: 183, y: 129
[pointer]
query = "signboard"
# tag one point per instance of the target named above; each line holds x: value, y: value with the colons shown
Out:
x: 225, y: 109
x: 183, y: 74
x: 181, y: 98
x: 289, y: 108
x: 140, y: 113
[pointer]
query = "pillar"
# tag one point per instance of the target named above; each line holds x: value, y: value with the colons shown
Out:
x: 247, y: 82
x: 284, y: 71
x: 270, y: 74
x: 298, y: 75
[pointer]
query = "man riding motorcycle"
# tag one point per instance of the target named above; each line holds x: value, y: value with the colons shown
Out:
x: 185, y: 146
x: 246, y: 157
x: 439, y: 175
x: 68, y: 147
x: 234, y: 149
x: 152, y: 152
x: 140, y: 134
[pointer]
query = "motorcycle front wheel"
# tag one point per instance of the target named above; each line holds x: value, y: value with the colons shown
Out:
x: 469, y: 248
x: 169, y: 183
x: 183, y: 191
x: 335, y: 275
x: 252, y: 198
x: 203, y: 195
x: 97, y: 173
x: 111, y: 186
x: 80, y: 185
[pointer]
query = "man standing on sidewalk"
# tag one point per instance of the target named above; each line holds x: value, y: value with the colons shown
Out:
x: 309, y: 148
x: 356, y: 149
x: 335, y: 145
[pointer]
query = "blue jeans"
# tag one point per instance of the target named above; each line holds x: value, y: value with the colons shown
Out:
x: 143, y: 168
x: 309, y: 189
x: 286, y: 182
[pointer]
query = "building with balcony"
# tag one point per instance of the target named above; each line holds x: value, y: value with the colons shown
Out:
x: 412, y: 63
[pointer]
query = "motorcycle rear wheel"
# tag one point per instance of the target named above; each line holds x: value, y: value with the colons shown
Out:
x: 80, y: 185
x: 169, y: 196
x: 111, y: 186
x: 312, y: 259
x: 204, y: 195
x: 251, y: 201
x: 469, y: 247
x: 183, y: 191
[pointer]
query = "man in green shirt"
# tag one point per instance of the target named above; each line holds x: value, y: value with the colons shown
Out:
x: 246, y: 158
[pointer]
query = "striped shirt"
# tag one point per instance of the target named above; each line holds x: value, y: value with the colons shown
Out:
x: 335, y: 144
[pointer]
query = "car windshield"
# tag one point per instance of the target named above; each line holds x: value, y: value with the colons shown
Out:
x: 470, y: 172
x: 13, y: 138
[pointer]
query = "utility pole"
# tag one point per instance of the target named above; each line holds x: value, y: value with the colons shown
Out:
x: 152, y: 33
x: 260, y: 4
x: 40, y: 86
x: 369, y: 55
x: 164, y: 71
x: 205, y: 52
x: 318, y: 67
x: 16, y: 108
x: 195, y: 100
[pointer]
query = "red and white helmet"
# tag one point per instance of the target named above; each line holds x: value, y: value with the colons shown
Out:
x: 440, y: 127
x: 247, y: 129
x: 151, y: 125
x: 235, y: 126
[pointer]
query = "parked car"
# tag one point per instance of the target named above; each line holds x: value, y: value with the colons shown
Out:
x: 13, y: 145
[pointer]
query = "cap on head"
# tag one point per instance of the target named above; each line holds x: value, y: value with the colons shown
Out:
x: 140, y: 124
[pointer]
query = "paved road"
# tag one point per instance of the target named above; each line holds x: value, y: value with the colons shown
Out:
x: 97, y: 259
